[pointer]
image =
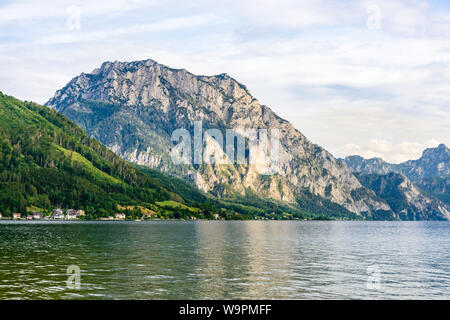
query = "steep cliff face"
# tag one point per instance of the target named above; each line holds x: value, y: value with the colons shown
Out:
x: 407, y: 201
x: 133, y: 108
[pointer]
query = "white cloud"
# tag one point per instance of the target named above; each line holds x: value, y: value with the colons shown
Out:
x: 398, y: 153
x: 380, y: 146
x: 314, y: 63
x: 159, y: 26
x: 28, y: 11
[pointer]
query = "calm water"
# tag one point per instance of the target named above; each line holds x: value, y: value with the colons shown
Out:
x: 225, y: 260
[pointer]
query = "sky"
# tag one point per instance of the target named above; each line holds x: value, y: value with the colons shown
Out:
x: 356, y: 77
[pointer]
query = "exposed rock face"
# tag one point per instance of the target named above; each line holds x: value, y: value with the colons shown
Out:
x: 133, y: 108
x: 409, y: 202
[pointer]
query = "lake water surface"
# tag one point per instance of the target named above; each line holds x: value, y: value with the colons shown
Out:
x: 226, y: 260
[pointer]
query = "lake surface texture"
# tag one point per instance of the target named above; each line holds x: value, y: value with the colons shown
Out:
x: 225, y: 260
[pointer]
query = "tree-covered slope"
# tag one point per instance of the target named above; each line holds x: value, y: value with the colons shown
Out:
x: 47, y: 161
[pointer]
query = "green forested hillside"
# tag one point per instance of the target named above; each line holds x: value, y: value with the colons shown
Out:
x: 47, y: 161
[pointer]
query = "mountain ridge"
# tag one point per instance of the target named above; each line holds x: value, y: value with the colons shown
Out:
x: 434, y: 162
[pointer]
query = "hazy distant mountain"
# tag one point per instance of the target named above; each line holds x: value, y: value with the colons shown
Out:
x: 134, y: 107
x: 434, y: 162
x: 430, y: 173
x: 373, y: 165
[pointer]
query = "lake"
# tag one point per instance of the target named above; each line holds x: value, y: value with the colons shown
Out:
x: 225, y: 260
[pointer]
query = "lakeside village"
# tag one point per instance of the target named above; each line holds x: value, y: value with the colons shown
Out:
x: 72, y: 214
x: 59, y: 214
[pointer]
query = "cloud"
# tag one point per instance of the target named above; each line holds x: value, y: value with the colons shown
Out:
x: 380, y: 146
x: 398, y: 153
x: 348, y: 88
x: 159, y: 26
x: 27, y: 11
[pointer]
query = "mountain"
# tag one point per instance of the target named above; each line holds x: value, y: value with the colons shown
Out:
x: 375, y: 165
x: 47, y: 161
x: 430, y: 173
x: 434, y: 163
x: 408, y: 201
x: 133, y: 108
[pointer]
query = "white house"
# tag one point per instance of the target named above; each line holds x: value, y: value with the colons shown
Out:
x: 57, y: 214
x: 37, y: 216
x: 120, y: 216
x: 71, y: 216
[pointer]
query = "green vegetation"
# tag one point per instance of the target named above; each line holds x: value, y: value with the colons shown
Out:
x: 46, y: 161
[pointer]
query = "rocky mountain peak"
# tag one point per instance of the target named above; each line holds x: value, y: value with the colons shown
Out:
x: 440, y: 151
x: 435, y: 162
x: 357, y: 163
